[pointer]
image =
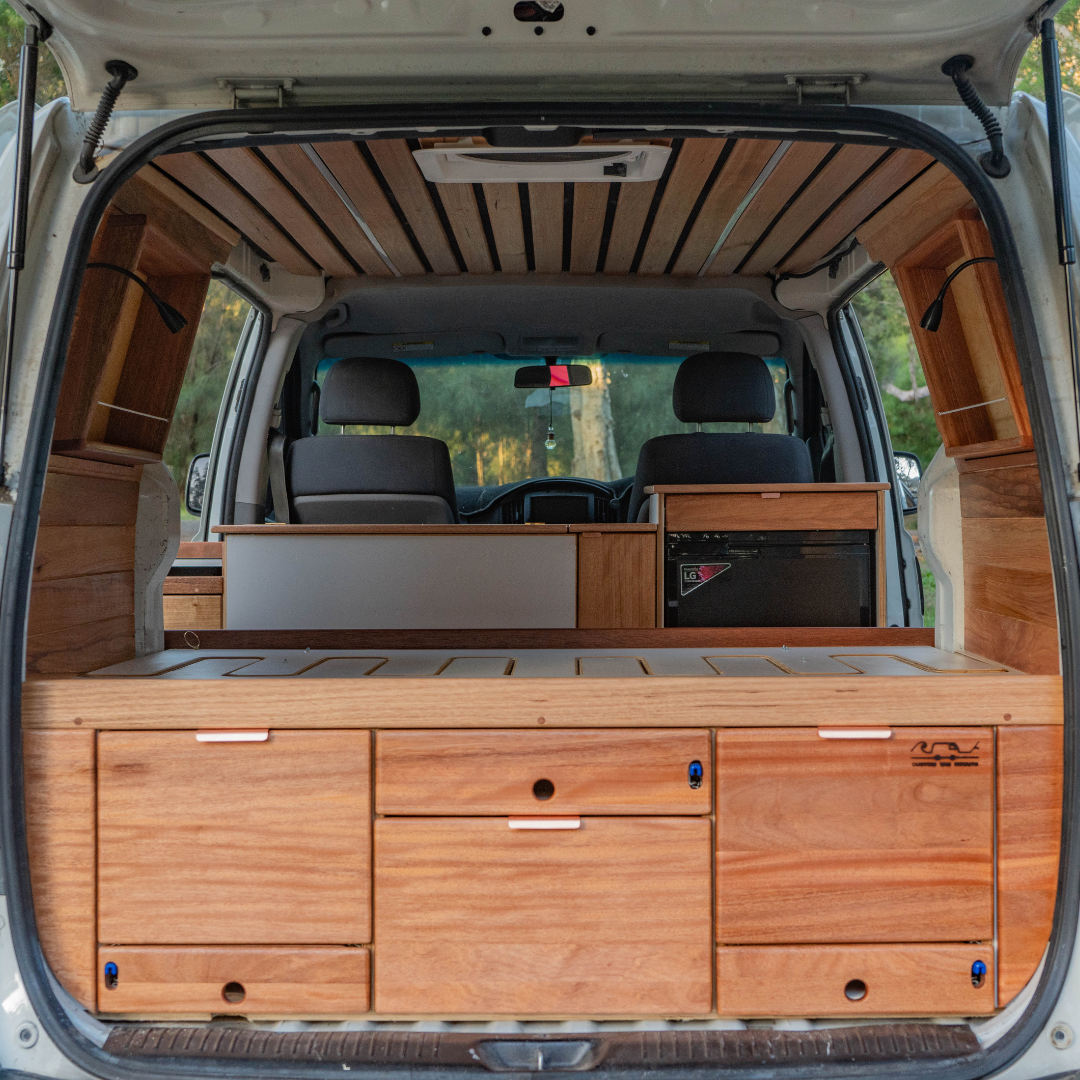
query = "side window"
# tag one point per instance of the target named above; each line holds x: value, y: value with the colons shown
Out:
x: 904, y: 394
x: 192, y: 430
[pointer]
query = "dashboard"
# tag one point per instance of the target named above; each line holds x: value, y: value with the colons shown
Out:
x: 550, y: 500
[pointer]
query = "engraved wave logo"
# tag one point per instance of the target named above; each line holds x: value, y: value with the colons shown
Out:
x: 943, y: 754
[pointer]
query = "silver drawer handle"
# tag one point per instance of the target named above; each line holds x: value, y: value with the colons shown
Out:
x: 854, y: 733
x: 235, y: 735
x: 544, y: 822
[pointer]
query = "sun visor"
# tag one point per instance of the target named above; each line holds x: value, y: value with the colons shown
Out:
x: 413, y: 346
x: 681, y: 343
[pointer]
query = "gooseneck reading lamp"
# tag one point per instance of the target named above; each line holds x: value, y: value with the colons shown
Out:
x: 173, y: 320
x: 931, y: 319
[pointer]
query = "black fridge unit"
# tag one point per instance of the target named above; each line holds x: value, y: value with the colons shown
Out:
x: 812, y: 578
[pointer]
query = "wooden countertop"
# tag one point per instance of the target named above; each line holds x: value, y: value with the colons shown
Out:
x: 731, y: 489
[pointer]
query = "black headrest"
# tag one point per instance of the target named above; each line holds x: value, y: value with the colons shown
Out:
x: 366, y: 390
x: 714, y: 387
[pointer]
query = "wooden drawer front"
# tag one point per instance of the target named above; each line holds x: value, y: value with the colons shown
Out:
x: 234, y: 843
x: 611, y: 919
x: 815, y: 980
x: 793, y: 510
x: 847, y: 840
x: 248, y: 981
x: 502, y: 772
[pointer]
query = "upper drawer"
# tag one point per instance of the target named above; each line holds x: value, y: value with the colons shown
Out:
x: 542, y: 772
x: 751, y: 511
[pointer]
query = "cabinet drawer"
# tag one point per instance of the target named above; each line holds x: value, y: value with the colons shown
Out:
x: 234, y: 842
x: 611, y: 919
x: 247, y: 981
x: 738, y: 512
x: 853, y: 840
x: 542, y: 772
x: 853, y: 980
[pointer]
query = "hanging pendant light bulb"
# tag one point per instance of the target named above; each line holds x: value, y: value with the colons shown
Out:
x: 549, y: 442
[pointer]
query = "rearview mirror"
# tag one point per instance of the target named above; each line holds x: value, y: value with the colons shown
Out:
x: 908, y: 473
x: 542, y: 377
x: 196, y: 483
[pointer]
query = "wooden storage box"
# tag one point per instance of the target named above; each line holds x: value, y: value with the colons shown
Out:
x: 855, y: 980
x: 543, y: 772
x: 854, y: 839
x: 303, y: 981
x: 608, y: 919
x: 234, y: 842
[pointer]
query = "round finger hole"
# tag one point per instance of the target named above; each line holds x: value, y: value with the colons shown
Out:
x: 855, y: 990
x: 543, y: 790
x: 234, y: 993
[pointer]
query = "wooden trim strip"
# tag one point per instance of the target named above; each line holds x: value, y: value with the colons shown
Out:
x: 590, y: 209
x: 574, y: 702
x: 504, y: 213
x: 383, y: 530
x: 546, y: 211
x: 631, y: 213
x: 199, y: 176
x: 727, y: 489
x: 459, y: 201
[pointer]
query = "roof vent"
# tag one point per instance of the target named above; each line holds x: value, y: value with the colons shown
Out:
x: 457, y: 164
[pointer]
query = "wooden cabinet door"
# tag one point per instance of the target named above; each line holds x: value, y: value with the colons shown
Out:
x: 854, y: 840
x: 611, y: 919
x: 234, y: 843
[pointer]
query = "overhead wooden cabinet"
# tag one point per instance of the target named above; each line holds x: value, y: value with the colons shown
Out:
x: 854, y: 839
x: 607, y: 919
x: 234, y: 843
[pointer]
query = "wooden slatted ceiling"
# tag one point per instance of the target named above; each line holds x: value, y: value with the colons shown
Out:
x: 815, y: 196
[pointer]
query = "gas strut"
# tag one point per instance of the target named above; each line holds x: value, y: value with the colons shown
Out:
x: 1059, y: 173
x: 122, y: 72
x: 37, y: 30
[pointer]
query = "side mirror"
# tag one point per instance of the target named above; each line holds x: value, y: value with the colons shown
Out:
x: 196, y: 483
x: 908, y: 473
x: 545, y: 376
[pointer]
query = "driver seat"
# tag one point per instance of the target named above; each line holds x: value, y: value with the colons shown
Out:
x: 370, y: 479
x: 711, y: 388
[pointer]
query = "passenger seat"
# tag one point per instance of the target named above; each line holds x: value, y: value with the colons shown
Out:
x: 718, y: 387
x: 370, y: 479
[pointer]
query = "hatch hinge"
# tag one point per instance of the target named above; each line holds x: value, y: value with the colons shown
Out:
x: 251, y: 93
x: 824, y: 85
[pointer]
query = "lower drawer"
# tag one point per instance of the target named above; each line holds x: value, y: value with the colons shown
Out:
x: 854, y: 980
x: 607, y: 919
x: 282, y: 981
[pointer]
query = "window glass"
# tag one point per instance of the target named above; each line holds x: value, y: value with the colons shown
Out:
x: 192, y: 431
x: 498, y: 434
x: 904, y: 393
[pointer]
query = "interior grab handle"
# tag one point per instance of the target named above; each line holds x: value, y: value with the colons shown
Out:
x: 854, y: 733
x: 232, y: 735
x: 544, y: 822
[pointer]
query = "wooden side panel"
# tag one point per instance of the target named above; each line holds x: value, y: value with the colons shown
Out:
x: 494, y: 772
x: 810, y: 980
x: 351, y: 171
x: 688, y: 176
x: 234, y: 843
x: 61, y: 838
x: 504, y: 212
x: 459, y: 201
x: 611, y: 919
x: 305, y: 982
x: 1030, y: 766
x: 203, y: 180
x: 616, y: 579
x: 791, y: 510
x: 546, y: 211
x: 82, y: 602
x: 192, y: 612
x: 851, y: 840
x: 740, y: 171
x: 590, y: 209
x: 784, y: 181
x: 400, y: 171
x: 1009, y: 610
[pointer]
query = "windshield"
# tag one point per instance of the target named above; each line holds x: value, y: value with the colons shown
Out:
x: 499, y: 435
